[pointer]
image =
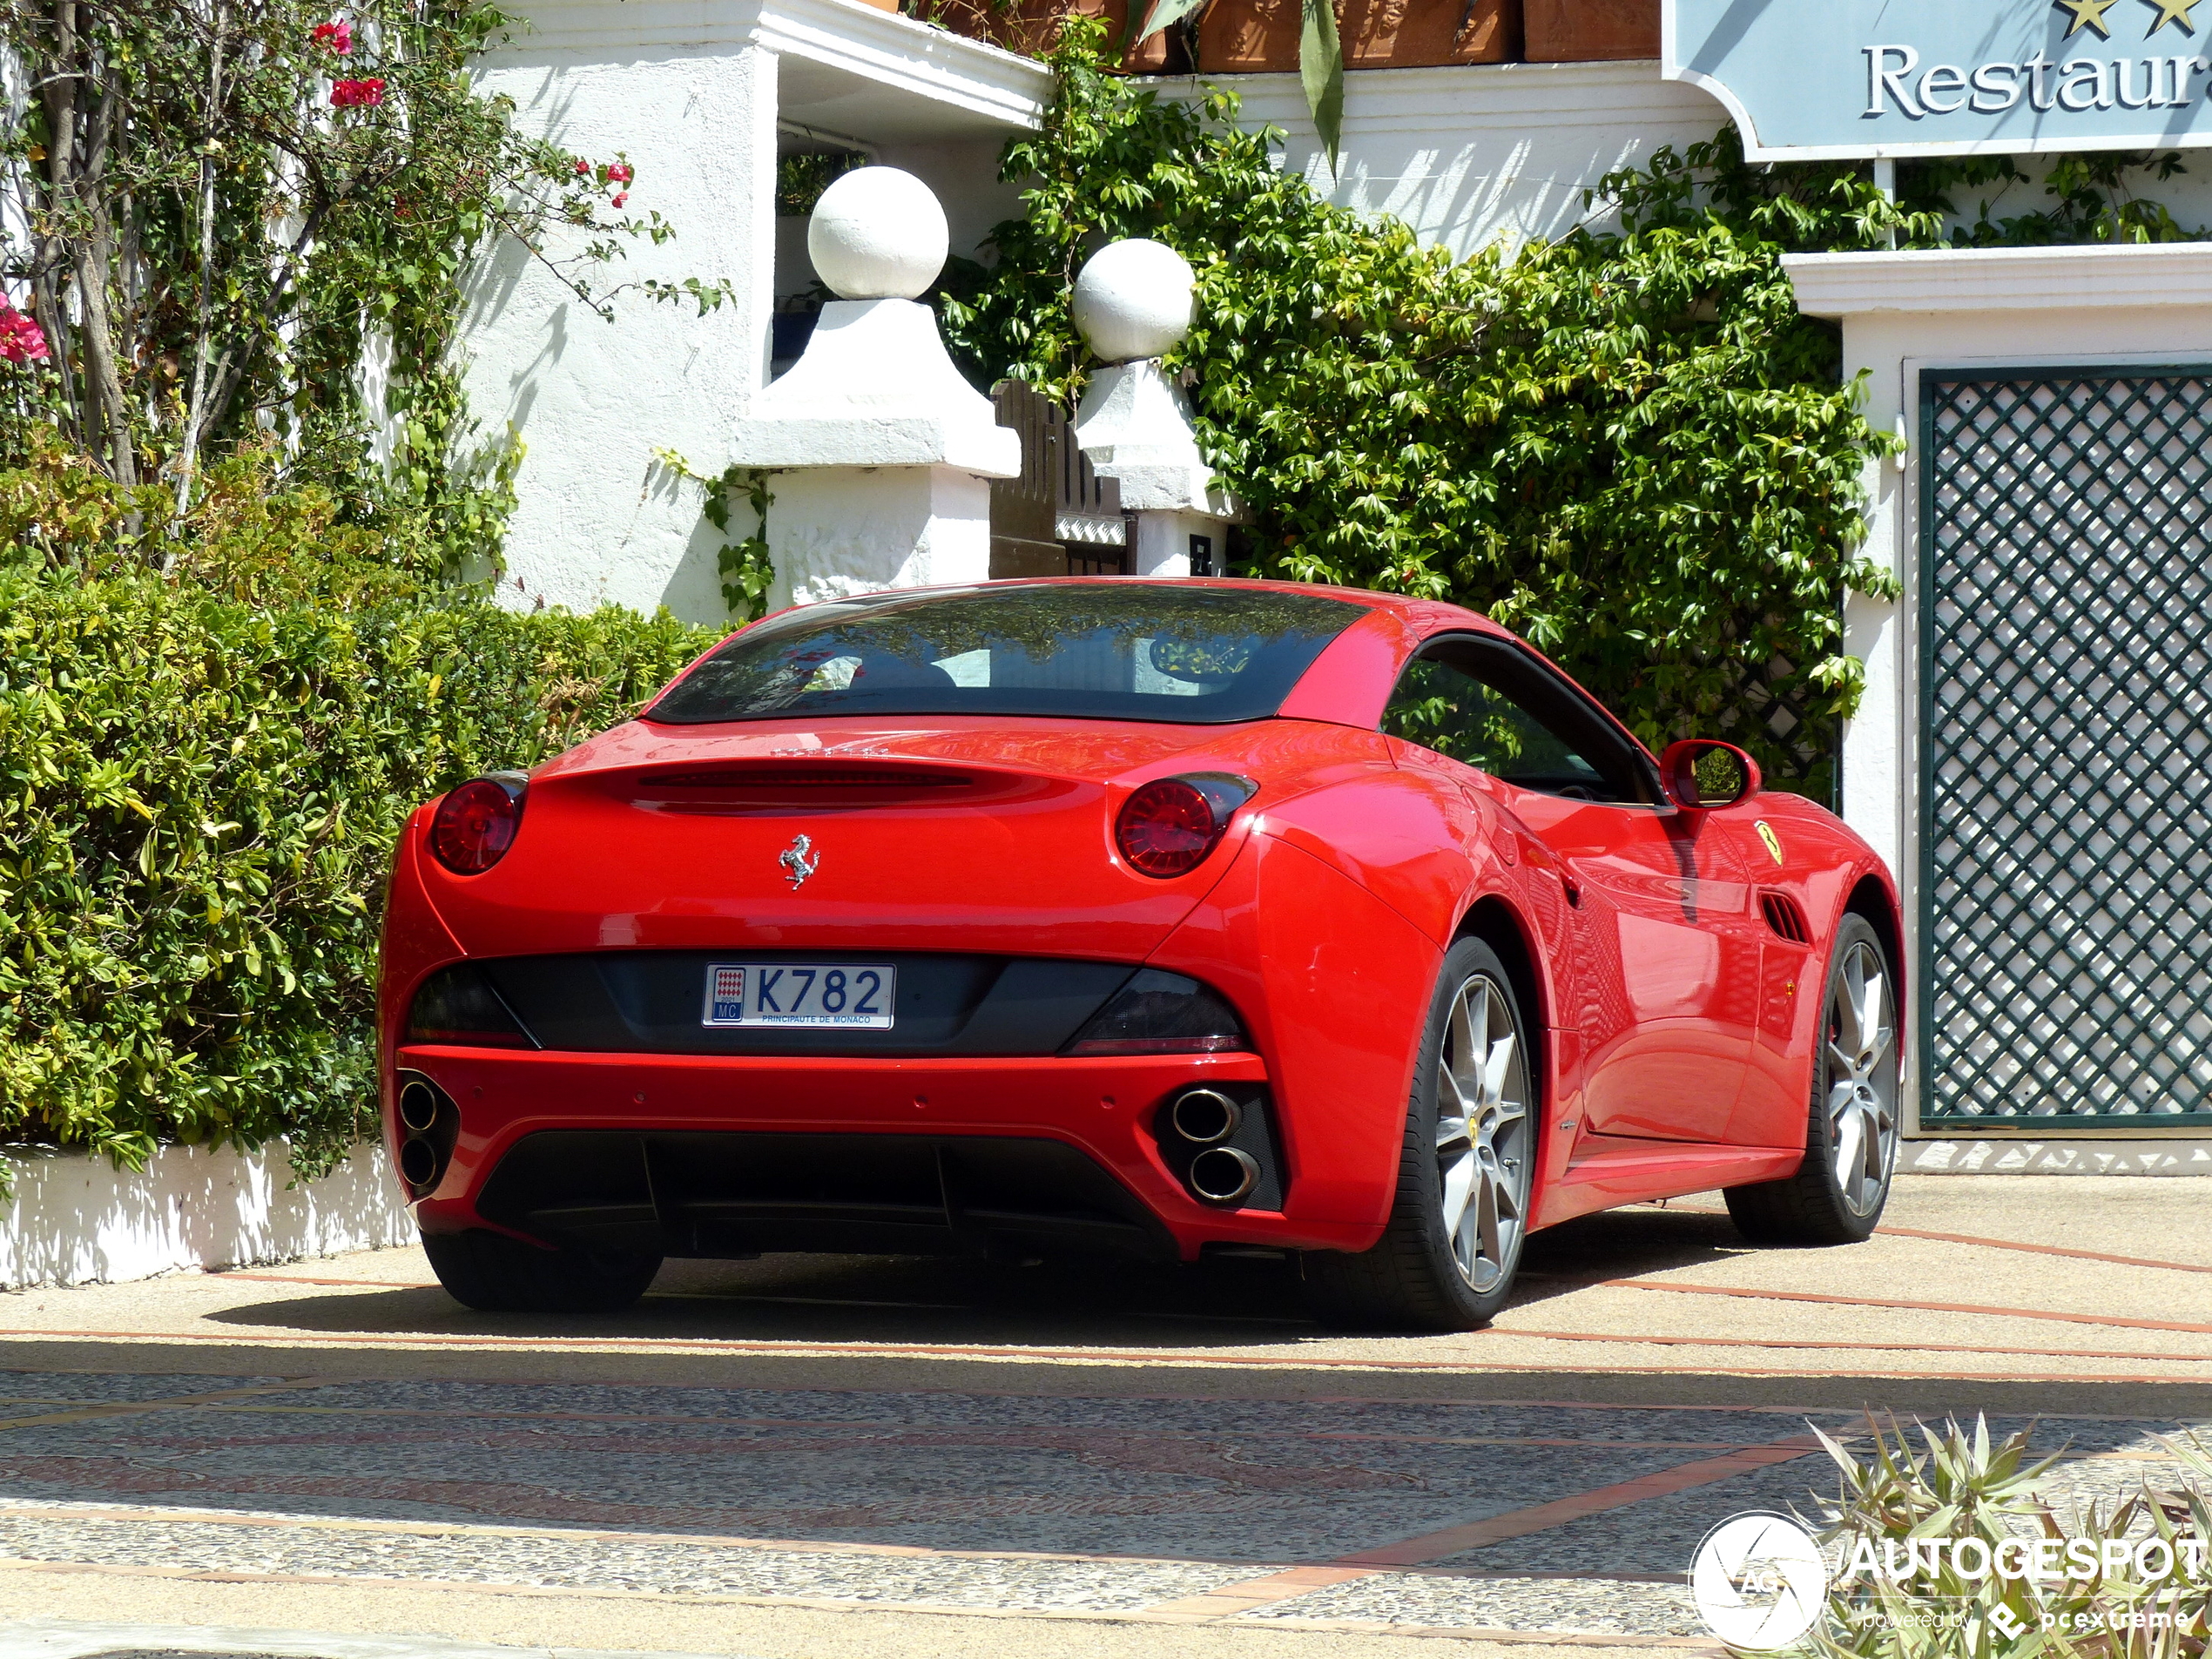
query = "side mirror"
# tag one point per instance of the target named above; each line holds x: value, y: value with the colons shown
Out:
x: 1700, y: 773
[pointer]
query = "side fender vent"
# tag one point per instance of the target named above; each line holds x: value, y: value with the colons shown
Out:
x: 1784, y: 915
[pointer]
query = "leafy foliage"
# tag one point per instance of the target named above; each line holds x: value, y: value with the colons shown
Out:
x: 803, y: 176
x: 243, y: 217
x: 745, y: 563
x: 1629, y: 445
x: 2090, y: 199
x: 200, y: 781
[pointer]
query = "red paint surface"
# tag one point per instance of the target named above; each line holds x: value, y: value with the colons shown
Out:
x: 1676, y: 1028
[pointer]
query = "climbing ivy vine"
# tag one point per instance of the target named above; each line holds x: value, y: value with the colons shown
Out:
x: 1626, y: 444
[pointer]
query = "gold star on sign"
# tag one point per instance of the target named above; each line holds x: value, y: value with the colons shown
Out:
x: 2087, y: 12
x: 2172, y: 12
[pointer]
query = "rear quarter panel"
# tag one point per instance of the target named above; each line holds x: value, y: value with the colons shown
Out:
x: 1328, y: 934
x: 415, y: 941
x: 1335, y: 985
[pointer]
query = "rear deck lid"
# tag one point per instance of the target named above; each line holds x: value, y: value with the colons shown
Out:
x: 933, y: 771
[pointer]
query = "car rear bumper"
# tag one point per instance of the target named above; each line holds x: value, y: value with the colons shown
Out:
x: 716, y: 1155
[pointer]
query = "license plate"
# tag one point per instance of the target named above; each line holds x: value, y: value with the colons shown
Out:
x: 846, y: 996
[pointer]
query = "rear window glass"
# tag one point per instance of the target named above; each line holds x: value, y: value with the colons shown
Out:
x: 1117, y: 650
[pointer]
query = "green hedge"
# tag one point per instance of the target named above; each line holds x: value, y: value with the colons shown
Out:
x: 198, y: 799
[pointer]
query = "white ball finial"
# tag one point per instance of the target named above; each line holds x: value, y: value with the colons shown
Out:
x: 877, y: 234
x: 1133, y: 300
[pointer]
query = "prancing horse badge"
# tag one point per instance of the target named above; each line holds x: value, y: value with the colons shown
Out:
x: 799, y: 860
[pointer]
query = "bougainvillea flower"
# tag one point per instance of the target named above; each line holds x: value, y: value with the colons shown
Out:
x: 338, y: 36
x: 21, y: 340
x: 347, y: 94
x: 621, y: 174
x: 621, y: 198
x: 583, y: 167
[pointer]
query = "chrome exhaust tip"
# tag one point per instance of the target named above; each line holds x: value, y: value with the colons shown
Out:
x: 1204, y: 1116
x: 419, y: 1107
x: 418, y: 1163
x: 1223, y: 1175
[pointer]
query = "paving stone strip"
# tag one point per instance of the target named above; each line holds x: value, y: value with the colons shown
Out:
x: 2190, y: 1327
x: 74, y: 1639
x: 600, y: 1565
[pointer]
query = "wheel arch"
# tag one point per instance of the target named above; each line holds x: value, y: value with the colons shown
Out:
x: 1870, y: 898
x: 1497, y: 924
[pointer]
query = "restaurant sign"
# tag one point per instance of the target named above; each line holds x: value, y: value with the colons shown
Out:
x: 1812, y: 78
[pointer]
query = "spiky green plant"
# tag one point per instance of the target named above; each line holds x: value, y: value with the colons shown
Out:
x: 1963, y: 1486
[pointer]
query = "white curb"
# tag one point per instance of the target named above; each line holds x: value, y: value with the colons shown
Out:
x: 75, y: 1219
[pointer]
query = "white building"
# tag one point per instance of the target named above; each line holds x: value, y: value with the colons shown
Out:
x: 2031, y: 750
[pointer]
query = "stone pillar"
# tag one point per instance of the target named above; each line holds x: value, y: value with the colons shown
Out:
x: 881, y: 453
x: 1132, y: 304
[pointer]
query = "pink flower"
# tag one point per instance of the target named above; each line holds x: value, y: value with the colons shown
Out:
x: 338, y: 36
x: 21, y: 340
x: 347, y: 94
x: 582, y: 168
x: 621, y: 174
x: 621, y: 198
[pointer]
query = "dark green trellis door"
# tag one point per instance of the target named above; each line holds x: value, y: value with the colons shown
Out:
x: 2066, y: 829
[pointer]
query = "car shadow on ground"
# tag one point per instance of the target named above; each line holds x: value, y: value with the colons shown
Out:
x: 1070, y: 1302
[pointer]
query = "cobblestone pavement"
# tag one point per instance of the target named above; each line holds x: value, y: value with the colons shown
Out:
x: 951, y: 1500
x: 1359, y: 1498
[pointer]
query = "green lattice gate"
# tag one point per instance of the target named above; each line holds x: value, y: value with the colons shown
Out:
x: 2065, y: 748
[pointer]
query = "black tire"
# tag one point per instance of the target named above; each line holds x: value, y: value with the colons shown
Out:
x: 1424, y: 1274
x: 495, y: 1274
x: 1838, y: 1194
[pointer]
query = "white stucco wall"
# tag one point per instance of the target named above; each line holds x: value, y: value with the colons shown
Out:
x: 1471, y: 153
x: 598, y: 521
x: 75, y: 1219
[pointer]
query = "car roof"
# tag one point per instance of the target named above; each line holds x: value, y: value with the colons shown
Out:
x: 1424, y: 615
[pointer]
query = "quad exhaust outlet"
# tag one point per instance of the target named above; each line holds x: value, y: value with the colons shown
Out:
x: 429, y: 1123
x: 419, y: 1107
x: 1217, y: 1140
x: 1205, y: 1116
x: 1223, y: 1175
x: 419, y: 1163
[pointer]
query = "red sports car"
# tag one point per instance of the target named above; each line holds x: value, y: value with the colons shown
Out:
x: 1165, y: 918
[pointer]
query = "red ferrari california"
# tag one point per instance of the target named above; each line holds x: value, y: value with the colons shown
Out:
x: 1158, y: 918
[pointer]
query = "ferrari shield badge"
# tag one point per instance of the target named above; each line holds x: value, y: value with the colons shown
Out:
x: 1766, y: 833
x: 799, y: 860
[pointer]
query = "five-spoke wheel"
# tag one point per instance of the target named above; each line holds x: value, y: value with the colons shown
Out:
x: 1446, y: 1260
x: 1859, y: 1048
x: 1838, y: 1192
x: 1482, y: 1162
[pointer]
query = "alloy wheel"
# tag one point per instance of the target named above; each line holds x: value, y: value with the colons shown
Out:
x: 1860, y: 1033
x: 1483, y: 1134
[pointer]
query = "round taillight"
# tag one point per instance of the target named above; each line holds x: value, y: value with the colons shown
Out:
x: 1167, y: 827
x: 476, y: 824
